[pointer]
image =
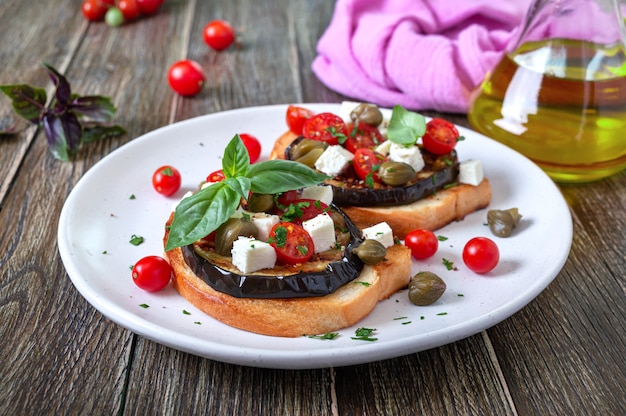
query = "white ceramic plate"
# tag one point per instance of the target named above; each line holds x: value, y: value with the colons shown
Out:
x: 115, y: 200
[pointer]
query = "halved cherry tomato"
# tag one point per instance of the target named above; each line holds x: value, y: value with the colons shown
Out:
x: 440, y: 136
x: 481, y: 254
x: 301, y: 210
x: 423, y: 243
x: 253, y: 145
x: 366, y: 163
x: 166, y: 180
x: 362, y: 135
x: 216, y: 176
x: 293, y: 244
x: 325, y: 127
x: 296, y: 117
x: 152, y: 273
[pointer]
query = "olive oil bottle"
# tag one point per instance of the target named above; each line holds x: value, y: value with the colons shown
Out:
x: 560, y: 102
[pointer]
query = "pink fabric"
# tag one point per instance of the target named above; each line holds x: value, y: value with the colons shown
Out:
x: 421, y: 54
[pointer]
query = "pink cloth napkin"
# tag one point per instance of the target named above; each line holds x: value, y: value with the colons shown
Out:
x: 421, y: 54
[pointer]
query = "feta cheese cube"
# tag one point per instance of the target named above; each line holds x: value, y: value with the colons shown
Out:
x: 383, y: 148
x: 322, y: 193
x: 333, y: 160
x: 250, y: 255
x: 322, y: 231
x: 381, y: 232
x: 264, y: 223
x: 408, y: 154
x: 471, y: 172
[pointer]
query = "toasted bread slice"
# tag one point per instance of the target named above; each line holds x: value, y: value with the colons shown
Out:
x: 431, y: 213
x: 298, y: 316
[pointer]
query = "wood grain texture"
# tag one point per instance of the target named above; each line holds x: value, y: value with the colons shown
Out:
x: 562, y: 354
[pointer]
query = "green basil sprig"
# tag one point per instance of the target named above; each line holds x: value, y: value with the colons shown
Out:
x: 203, y: 212
x: 405, y: 126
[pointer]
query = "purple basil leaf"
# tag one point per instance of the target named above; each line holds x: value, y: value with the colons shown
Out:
x: 93, y: 132
x: 64, y: 91
x: 95, y: 107
x: 28, y: 102
x: 63, y: 134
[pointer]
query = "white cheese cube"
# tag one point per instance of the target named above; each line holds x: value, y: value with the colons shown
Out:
x: 322, y: 231
x: 381, y: 232
x: 471, y: 172
x: 383, y: 148
x: 250, y: 255
x: 264, y: 223
x: 322, y: 193
x: 346, y: 108
x: 408, y: 154
x: 333, y: 160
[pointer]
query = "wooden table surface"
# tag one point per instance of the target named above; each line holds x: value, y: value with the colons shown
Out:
x: 563, y: 354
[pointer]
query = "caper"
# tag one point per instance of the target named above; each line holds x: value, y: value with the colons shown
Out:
x: 260, y: 202
x: 395, y: 173
x: 368, y: 114
x: 232, y: 229
x: 371, y: 251
x: 425, y: 288
x: 502, y: 222
x: 304, y: 146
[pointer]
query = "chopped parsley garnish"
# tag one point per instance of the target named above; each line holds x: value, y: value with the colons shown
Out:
x: 198, y: 323
x: 132, y: 196
x: 280, y: 237
x: 302, y: 249
x: 449, y: 264
x: 402, y: 317
x: 363, y: 334
x: 341, y: 138
x: 328, y: 335
x: 145, y: 306
x: 136, y: 240
x: 366, y: 284
x: 442, y: 238
x: 185, y: 312
x: 442, y: 313
x: 294, y: 211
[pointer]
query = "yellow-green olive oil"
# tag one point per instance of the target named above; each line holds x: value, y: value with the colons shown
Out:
x: 562, y: 103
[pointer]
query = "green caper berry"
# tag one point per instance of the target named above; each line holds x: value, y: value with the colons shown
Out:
x: 502, y: 222
x: 371, y: 251
x: 425, y: 288
x: 368, y: 114
x: 261, y: 202
x: 231, y: 230
x: 396, y: 173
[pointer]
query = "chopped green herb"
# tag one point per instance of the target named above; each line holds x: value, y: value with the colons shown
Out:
x: 402, y: 317
x: 406, y: 323
x: 145, y: 306
x: 105, y: 252
x: 422, y: 318
x: 132, y: 196
x: 460, y: 294
x: 450, y: 185
x: 362, y: 283
x: 442, y: 238
x: 131, y: 267
x: 198, y: 323
x: 186, y: 312
x: 302, y: 250
x: 442, y: 313
x: 280, y: 236
x: 328, y: 335
x: 363, y: 334
x: 449, y: 264
x: 136, y: 240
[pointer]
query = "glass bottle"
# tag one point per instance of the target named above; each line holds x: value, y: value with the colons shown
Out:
x: 558, y: 95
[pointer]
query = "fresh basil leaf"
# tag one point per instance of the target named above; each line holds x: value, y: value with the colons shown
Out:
x: 63, y: 92
x: 201, y: 214
x: 96, y: 107
x: 239, y: 184
x: 405, y: 127
x: 273, y: 176
x: 28, y: 102
x: 93, y: 132
x: 236, y: 160
x: 63, y: 134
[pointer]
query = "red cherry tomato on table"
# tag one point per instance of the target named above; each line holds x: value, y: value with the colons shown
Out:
x: 440, y: 136
x: 325, y: 127
x: 366, y: 163
x: 481, y: 255
x: 423, y: 243
x: 296, y: 117
x: 362, y: 135
x: 253, y: 145
x: 149, y: 7
x: 186, y: 77
x: 218, y: 34
x: 152, y: 273
x: 216, y: 176
x: 166, y: 180
x: 293, y: 244
x: 94, y: 10
x: 129, y: 8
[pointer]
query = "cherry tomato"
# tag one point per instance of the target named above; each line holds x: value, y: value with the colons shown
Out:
x: 325, y: 127
x: 94, y: 10
x: 129, y: 8
x: 148, y: 7
x: 186, y: 77
x: 216, y: 176
x: 166, y: 180
x: 218, y: 34
x: 296, y: 116
x: 481, y: 254
x: 152, y: 273
x: 366, y: 163
x: 287, y: 198
x: 440, y: 136
x: 423, y: 243
x: 253, y: 145
x: 293, y: 244
x: 362, y: 135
